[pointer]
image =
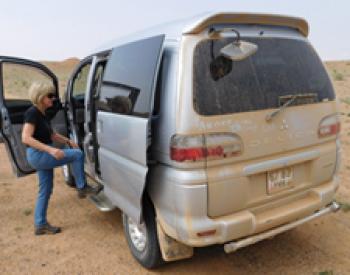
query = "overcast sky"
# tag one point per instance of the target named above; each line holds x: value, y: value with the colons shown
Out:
x: 56, y: 30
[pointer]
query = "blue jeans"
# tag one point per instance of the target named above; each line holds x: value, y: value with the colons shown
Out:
x: 44, y: 163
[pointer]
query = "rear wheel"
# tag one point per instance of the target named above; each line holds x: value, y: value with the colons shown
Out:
x: 68, y: 176
x: 142, y: 238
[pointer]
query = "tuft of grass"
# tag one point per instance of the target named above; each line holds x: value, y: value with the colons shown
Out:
x: 327, y: 272
x: 344, y: 206
x: 345, y: 100
x: 338, y: 76
x: 27, y: 211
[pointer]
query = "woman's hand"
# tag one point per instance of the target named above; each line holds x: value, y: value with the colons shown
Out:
x: 64, y: 140
x: 72, y: 144
x: 57, y: 153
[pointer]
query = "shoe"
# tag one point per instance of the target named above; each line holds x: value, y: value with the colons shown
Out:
x: 87, y: 190
x: 46, y: 229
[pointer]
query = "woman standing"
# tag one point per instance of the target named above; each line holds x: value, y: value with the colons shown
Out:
x: 38, y: 135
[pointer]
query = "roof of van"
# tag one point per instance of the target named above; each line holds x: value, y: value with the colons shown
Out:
x: 197, y: 24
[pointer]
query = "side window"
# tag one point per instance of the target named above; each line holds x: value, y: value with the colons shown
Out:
x: 117, y: 99
x: 17, y: 80
x: 80, y: 81
x: 129, y: 78
x: 97, y: 79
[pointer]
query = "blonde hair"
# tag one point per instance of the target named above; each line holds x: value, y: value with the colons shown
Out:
x: 38, y: 91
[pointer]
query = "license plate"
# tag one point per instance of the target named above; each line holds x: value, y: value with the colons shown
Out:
x: 279, y: 180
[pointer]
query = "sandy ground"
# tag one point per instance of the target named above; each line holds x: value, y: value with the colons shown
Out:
x: 92, y: 242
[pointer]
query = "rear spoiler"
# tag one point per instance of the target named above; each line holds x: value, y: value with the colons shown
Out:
x: 248, y: 18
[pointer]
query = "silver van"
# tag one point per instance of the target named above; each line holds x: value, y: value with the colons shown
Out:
x: 221, y: 129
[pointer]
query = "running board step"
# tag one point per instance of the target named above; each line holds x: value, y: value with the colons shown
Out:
x: 102, y: 202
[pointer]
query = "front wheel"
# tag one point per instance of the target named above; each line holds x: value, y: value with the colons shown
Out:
x: 142, y: 239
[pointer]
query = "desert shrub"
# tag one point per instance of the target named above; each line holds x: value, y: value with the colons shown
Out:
x: 344, y: 206
x: 345, y: 100
x: 338, y: 76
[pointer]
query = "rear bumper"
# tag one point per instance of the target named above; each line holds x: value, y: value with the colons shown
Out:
x: 182, y: 213
x: 233, y: 246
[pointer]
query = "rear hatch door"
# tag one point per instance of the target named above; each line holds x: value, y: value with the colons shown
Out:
x: 276, y: 117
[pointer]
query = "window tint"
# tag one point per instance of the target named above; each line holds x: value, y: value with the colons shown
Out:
x: 129, y: 78
x: 280, y: 68
x: 80, y: 81
x: 18, y: 78
x: 117, y: 99
x: 97, y: 79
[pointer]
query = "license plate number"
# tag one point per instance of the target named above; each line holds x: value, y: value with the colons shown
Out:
x: 279, y: 180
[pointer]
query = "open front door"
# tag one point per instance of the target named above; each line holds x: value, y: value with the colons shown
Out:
x: 16, y: 76
x: 124, y: 110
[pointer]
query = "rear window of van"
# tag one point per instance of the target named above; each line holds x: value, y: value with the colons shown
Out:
x: 280, y: 68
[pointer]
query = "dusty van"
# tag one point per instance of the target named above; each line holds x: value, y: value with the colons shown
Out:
x: 222, y: 129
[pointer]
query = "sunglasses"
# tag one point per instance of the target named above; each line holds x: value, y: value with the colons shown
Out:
x: 51, y: 96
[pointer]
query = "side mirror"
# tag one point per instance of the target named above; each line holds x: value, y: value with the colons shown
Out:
x: 238, y: 50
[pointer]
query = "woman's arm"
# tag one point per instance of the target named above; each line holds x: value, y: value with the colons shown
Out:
x: 28, y: 139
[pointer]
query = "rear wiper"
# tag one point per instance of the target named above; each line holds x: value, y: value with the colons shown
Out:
x: 270, y: 116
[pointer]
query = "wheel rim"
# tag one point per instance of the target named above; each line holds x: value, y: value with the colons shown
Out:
x: 65, y: 171
x: 137, y: 233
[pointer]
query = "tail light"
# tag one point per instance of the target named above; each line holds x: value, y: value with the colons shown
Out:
x: 185, y: 148
x: 329, y: 126
x: 202, y: 147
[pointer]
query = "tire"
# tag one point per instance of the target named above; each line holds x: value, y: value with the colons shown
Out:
x: 68, y: 176
x: 147, y: 251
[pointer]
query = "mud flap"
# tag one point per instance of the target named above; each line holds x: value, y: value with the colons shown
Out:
x: 171, y: 249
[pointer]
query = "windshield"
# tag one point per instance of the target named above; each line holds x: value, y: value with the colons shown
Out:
x: 280, y: 67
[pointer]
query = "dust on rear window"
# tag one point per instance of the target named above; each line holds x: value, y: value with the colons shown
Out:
x: 280, y: 67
